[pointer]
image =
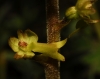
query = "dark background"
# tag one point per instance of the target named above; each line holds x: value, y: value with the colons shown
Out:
x: 82, y: 51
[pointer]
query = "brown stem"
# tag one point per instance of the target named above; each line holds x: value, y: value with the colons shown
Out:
x: 63, y: 23
x: 52, y: 13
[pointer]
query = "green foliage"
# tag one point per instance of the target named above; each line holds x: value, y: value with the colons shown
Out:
x: 93, y: 58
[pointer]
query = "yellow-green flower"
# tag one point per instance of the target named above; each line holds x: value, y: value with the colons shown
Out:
x: 27, y: 44
x: 22, y: 45
x: 83, y: 9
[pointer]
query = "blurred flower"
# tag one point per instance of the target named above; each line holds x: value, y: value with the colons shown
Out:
x: 83, y: 9
x: 27, y: 44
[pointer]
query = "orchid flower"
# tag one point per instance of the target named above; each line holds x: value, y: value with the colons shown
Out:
x: 22, y: 45
x: 83, y: 9
x: 27, y: 44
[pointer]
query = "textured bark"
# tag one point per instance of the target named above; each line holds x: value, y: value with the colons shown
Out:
x: 53, y: 35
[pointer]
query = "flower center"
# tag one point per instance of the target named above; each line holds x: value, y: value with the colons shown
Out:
x: 22, y: 44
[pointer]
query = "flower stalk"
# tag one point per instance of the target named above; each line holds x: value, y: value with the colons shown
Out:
x: 52, y: 14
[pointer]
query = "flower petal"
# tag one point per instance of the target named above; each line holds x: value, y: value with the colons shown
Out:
x: 71, y: 13
x: 92, y: 21
x: 32, y: 36
x: 81, y: 4
x: 13, y: 43
x: 60, y: 43
x: 50, y: 50
x: 20, y: 34
x: 44, y: 48
x: 19, y: 55
x: 29, y: 54
x: 56, y: 55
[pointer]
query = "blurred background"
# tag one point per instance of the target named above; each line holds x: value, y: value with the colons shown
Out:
x: 82, y: 51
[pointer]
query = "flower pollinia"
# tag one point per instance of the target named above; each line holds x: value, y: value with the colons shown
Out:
x: 26, y: 46
x: 83, y: 9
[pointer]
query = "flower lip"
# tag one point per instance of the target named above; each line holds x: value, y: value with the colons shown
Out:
x: 22, y: 44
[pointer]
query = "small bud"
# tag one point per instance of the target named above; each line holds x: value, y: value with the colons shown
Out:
x: 72, y: 12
